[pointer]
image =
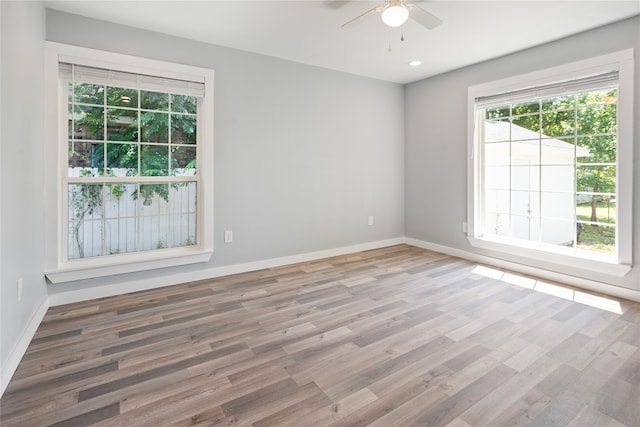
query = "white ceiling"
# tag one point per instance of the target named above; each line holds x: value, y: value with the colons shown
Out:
x: 310, y: 31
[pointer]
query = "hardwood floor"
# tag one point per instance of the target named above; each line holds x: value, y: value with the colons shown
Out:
x: 398, y: 336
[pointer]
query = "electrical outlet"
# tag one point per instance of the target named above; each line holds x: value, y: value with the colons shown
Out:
x: 464, y: 227
x: 228, y: 236
x: 20, y: 289
x: 370, y: 219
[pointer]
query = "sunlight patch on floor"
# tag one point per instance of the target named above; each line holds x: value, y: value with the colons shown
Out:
x: 514, y: 279
x: 555, y: 290
x: 600, y: 302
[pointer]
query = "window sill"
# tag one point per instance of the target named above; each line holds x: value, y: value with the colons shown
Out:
x: 113, y: 265
x: 555, y: 261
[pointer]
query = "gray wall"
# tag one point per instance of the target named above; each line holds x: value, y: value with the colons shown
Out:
x: 303, y: 155
x: 436, y: 139
x: 21, y: 164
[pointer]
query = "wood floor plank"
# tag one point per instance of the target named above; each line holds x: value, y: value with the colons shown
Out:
x: 448, y: 409
x: 523, y: 411
x: 396, y: 336
x: 589, y: 417
x: 292, y: 414
x: 568, y: 403
x: 507, y: 394
x: 619, y: 400
x: 115, y: 385
x: 91, y: 417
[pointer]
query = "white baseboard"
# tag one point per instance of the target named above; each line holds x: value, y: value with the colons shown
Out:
x: 591, y: 285
x: 16, y: 354
x: 60, y: 298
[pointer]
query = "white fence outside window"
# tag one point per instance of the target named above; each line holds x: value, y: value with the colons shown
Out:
x: 117, y: 218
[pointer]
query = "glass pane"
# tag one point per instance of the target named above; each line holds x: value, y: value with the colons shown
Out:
x: 498, y: 224
x: 85, y: 158
x: 154, y: 127
x: 122, y: 125
x: 525, y: 178
x: 597, y: 238
x: 88, y: 123
x: 525, y: 108
x: 597, y: 179
x: 184, y: 104
x: 154, y: 160
x: 525, y: 152
x: 597, y: 149
x: 597, y: 119
x: 558, y: 232
x: 497, y: 154
x: 122, y: 97
x: 558, y: 178
x: 558, y: 123
x: 120, y: 200
x: 557, y: 206
x: 154, y: 101
x: 521, y: 227
x: 122, y: 159
x: 183, y: 211
x: 183, y: 129
x: 497, y: 131
x: 497, y: 201
x: 151, y: 193
x: 534, y: 228
x: 556, y: 151
x: 497, y: 177
x: 525, y: 127
x: 600, y: 209
x: 497, y: 113
x: 559, y: 103
x: 120, y: 236
x: 525, y: 202
x: 154, y: 216
x: 120, y: 219
x: 86, y: 93
x: 183, y: 161
x: 84, y: 239
x: 85, y: 213
x: 608, y: 96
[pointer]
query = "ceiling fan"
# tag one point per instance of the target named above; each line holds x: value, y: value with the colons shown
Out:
x: 394, y: 13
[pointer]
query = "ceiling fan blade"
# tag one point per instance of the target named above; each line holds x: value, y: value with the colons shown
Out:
x: 358, y: 19
x: 423, y: 17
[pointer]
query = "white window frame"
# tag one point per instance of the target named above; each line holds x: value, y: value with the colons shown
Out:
x: 58, y: 269
x: 559, y: 261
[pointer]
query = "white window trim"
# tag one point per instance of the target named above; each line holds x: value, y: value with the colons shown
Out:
x: 60, y: 270
x: 621, y: 61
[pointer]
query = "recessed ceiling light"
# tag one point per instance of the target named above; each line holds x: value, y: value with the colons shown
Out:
x: 415, y: 63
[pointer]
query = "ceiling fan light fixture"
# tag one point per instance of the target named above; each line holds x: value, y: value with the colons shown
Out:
x: 395, y: 15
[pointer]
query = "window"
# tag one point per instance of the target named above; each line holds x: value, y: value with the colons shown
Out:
x: 134, y: 151
x: 549, y: 169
